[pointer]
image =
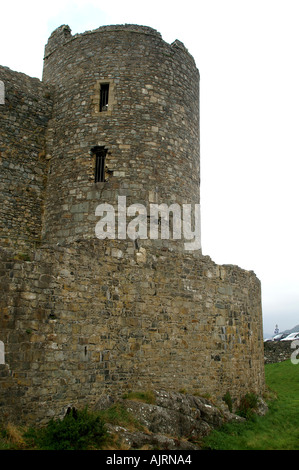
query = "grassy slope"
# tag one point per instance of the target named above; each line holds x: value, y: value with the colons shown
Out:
x: 279, y: 429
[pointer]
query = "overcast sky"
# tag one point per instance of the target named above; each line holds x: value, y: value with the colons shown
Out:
x: 247, y: 56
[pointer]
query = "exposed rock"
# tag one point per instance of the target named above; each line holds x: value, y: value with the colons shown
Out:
x: 139, y: 440
x: 262, y: 407
x: 176, y: 414
x: 175, y: 421
x: 104, y: 402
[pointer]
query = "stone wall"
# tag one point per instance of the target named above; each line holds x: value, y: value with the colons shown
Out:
x: 277, y: 351
x: 23, y: 121
x: 95, y: 318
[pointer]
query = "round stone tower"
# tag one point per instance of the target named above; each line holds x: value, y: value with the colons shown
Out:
x: 126, y: 124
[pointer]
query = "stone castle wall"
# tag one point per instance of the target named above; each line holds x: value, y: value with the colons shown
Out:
x: 91, y: 319
x: 24, y: 116
x: 82, y: 317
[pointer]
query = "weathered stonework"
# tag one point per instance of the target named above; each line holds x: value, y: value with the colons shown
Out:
x: 23, y: 123
x: 83, y: 317
x: 278, y: 351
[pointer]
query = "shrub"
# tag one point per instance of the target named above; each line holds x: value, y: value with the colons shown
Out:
x: 78, y: 430
x: 228, y: 400
x: 247, y: 404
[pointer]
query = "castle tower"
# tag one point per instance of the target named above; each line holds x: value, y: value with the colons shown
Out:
x: 126, y: 124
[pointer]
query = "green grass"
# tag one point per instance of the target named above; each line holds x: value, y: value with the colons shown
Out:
x: 146, y: 397
x: 118, y: 415
x: 279, y: 429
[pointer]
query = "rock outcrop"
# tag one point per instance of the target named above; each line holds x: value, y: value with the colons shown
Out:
x: 175, y: 421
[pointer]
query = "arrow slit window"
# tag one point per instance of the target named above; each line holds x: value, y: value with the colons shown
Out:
x: 104, y: 97
x: 100, y: 157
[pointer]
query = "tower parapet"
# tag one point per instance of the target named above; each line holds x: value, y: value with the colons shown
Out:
x: 59, y: 37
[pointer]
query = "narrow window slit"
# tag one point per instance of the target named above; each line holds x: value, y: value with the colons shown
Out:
x: 100, y: 157
x: 104, y: 95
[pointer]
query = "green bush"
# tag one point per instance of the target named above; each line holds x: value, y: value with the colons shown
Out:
x: 228, y: 400
x: 78, y: 430
x: 247, y: 405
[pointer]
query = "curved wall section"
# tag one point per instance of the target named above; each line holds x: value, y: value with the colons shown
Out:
x: 150, y: 127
